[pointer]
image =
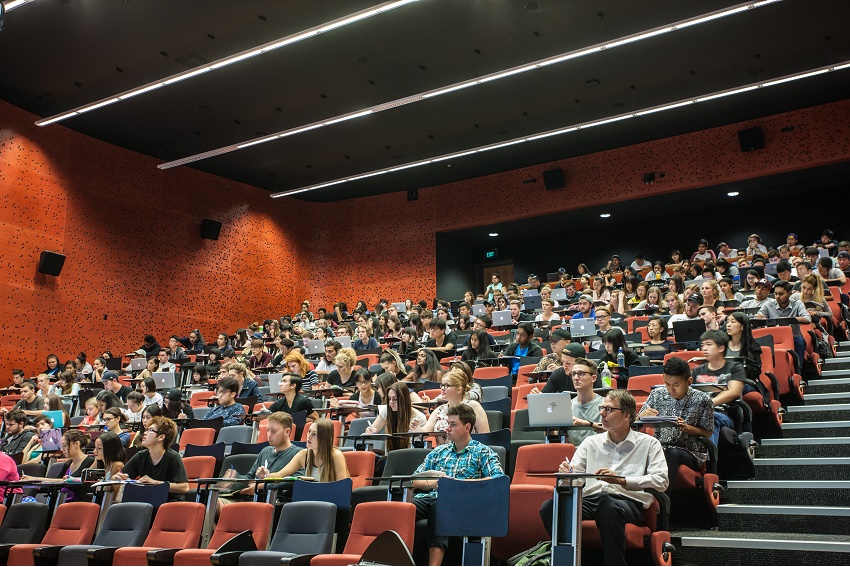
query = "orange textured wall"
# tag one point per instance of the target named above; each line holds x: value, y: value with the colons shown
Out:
x: 134, y: 252
x: 394, y: 256
x: 135, y: 260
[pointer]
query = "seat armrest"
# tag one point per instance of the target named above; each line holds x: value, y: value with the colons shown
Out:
x: 226, y: 558
x: 298, y: 559
x: 164, y: 556
x: 101, y: 555
x: 47, y: 554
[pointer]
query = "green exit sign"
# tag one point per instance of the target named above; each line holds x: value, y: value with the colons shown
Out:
x: 491, y: 254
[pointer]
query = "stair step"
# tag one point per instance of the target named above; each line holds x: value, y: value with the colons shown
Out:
x: 834, y: 373
x: 809, y: 429
x: 822, y: 468
x: 786, y: 492
x: 825, y: 385
x: 842, y: 363
x: 777, y: 518
x: 817, y: 412
x: 713, y: 547
x: 813, y: 447
x: 823, y: 398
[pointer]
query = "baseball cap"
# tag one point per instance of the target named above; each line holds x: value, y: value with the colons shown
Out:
x: 109, y: 375
x: 488, y: 302
x: 586, y: 297
x: 574, y: 350
x: 695, y: 297
x: 765, y: 283
x: 174, y: 395
x: 843, y: 254
x: 141, y: 352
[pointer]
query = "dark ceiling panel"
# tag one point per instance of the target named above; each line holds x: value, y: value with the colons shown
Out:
x: 418, y: 47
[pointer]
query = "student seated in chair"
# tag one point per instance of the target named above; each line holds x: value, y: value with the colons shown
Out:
x: 561, y: 379
x: 226, y: 392
x: 292, y: 400
x: 462, y: 458
x: 721, y: 371
x: 320, y: 460
x: 695, y: 417
x: 157, y: 462
x: 525, y: 345
x: 272, y: 458
x: 633, y: 461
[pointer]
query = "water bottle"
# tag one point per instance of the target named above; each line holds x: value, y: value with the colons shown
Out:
x: 621, y: 358
x: 606, y: 376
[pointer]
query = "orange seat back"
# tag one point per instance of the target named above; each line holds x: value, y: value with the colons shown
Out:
x: 199, y: 436
x: 361, y: 465
x: 240, y: 516
x: 199, y: 467
x: 177, y: 525
x: 371, y: 519
x: 540, y: 459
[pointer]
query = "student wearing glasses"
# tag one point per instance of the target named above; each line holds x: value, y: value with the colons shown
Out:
x: 587, y: 403
x: 630, y: 462
x: 113, y: 419
x: 455, y: 389
x: 157, y: 462
x: 363, y: 397
x: 233, y: 413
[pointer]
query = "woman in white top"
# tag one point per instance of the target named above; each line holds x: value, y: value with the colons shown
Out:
x: 399, y: 417
x: 320, y: 460
x: 548, y: 315
x: 148, y: 388
x: 455, y: 387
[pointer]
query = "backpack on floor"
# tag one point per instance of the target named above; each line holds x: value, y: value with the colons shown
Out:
x: 540, y: 554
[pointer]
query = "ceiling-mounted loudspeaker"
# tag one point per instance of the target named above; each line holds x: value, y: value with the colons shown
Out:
x: 50, y: 263
x: 553, y: 179
x: 412, y: 194
x: 751, y: 139
x: 210, y: 229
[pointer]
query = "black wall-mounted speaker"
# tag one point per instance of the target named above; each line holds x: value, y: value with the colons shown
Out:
x: 553, y: 179
x: 751, y: 139
x: 50, y: 263
x: 210, y: 229
x: 412, y: 194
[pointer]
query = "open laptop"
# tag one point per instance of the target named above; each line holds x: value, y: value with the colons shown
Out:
x: 770, y: 269
x: 502, y: 318
x: 478, y: 309
x: 164, y: 380
x: 113, y: 363
x: 57, y: 417
x: 51, y: 440
x: 138, y: 364
x: 550, y: 410
x: 583, y: 328
x: 553, y: 276
x: 688, y: 331
x: 344, y: 342
x: 532, y: 302
x: 274, y: 382
x: 559, y: 294
x: 316, y: 346
x: 400, y: 307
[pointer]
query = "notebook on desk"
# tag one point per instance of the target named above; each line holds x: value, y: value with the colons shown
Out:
x: 550, y: 410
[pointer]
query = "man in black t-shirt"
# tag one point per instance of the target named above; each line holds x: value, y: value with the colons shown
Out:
x: 560, y: 380
x: 721, y: 371
x: 440, y: 340
x: 292, y: 401
x: 157, y: 462
x: 111, y: 383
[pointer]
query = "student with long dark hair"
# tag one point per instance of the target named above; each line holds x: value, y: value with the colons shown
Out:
x: 478, y: 347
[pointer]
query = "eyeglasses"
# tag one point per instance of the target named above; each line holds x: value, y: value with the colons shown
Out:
x: 151, y: 430
x: 579, y: 373
x: 362, y: 382
x: 607, y: 409
x: 602, y: 316
x: 445, y: 386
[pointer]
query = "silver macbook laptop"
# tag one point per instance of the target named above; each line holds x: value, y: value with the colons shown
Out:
x: 501, y: 318
x: 550, y: 410
x: 274, y: 382
x: 400, y: 307
x: 559, y: 294
x: 138, y: 364
x: 314, y: 346
x: 583, y: 327
x: 478, y: 309
x: 164, y: 380
x: 345, y: 342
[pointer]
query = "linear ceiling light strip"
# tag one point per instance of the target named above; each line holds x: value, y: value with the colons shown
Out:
x: 583, y: 126
x: 230, y: 60
x: 12, y: 4
x: 582, y: 52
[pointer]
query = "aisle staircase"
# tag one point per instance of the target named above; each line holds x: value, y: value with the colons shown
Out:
x: 797, y: 509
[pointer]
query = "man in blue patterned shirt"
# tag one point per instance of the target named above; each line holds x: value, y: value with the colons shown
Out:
x: 233, y: 413
x: 695, y: 413
x: 462, y: 458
